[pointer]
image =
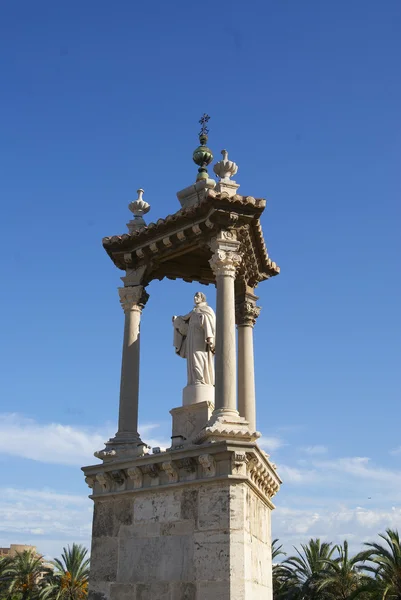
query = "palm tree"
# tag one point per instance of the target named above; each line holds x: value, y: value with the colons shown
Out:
x: 310, y: 567
x: 25, y: 573
x: 70, y: 578
x: 343, y: 579
x: 385, y: 565
x: 4, y: 576
x: 285, y: 584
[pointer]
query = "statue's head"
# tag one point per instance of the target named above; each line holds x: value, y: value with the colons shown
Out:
x: 199, y: 297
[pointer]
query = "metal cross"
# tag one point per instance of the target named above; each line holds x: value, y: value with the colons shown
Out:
x: 203, y: 121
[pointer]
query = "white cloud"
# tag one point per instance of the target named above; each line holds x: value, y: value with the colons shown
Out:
x: 335, y: 523
x: 40, y: 517
x: 314, y: 450
x: 56, y: 443
x: 361, y: 467
x: 270, y: 443
x: 396, y: 451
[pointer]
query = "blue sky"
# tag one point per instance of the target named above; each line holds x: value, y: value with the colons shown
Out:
x: 99, y: 100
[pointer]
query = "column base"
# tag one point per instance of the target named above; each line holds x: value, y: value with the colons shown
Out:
x: 226, y: 424
x: 123, y: 445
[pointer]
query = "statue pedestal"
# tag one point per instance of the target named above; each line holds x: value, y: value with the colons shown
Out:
x: 188, y: 422
x: 193, y: 394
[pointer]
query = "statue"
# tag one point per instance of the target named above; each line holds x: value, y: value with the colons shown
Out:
x: 194, y: 339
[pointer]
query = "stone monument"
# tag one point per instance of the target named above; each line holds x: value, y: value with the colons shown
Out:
x: 191, y: 522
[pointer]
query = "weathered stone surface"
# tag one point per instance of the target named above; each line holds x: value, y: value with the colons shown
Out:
x: 178, y: 528
x: 211, y: 590
x: 151, y: 591
x: 164, y: 558
x: 123, y: 513
x: 183, y: 591
x: 189, y: 504
x: 212, y: 555
x: 104, y: 559
x: 122, y: 591
x: 158, y: 506
x: 103, y: 519
x: 99, y: 590
x: 214, y: 512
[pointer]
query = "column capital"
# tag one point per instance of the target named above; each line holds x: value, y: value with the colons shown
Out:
x: 225, y: 262
x: 246, y: 313
x: 133, y: 297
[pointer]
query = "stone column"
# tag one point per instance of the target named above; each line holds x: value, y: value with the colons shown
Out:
x: 133, y: 299
x: 246, y: 314
x: 224, y: 264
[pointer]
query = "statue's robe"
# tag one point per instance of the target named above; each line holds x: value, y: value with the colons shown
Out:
x: 190, y: 334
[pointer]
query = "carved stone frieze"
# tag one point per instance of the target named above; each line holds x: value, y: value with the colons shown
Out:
x: 243, y: 463
x: 118, y: 476
x: 151, y: 470
x: 135, y: 474
x: 90, y: 481
x: 172, y: 473
x: 104, y: 481
x: 208, y: 465
x: 188, y: 464
x: 239, y: 463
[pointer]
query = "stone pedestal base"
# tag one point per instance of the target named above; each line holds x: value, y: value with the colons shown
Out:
x: 226, y: 424
x: 185, y: 525
x: 188, y: 421
x: 192, y: 394
x: 122, y: 446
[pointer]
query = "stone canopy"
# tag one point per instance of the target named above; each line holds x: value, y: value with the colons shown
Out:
x: 178, y: 247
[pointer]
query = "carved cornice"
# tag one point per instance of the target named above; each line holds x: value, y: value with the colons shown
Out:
x: 242, y: 463
x: 133, y: 297
x: 264, y: 478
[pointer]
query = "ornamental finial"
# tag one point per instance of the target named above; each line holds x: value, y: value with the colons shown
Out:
x: 225, y: 168
x: 138, y: 208
x: 203, y: 156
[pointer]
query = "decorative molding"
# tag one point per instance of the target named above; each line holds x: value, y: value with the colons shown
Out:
x: 133, y: 297
x: 135, y: 474
x: 208, y: 465
x: 170, y: 469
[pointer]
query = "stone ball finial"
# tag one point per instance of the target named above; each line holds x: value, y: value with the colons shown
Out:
x: 138, y: 208
x: 202, y: 155
x: 225, y: 168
